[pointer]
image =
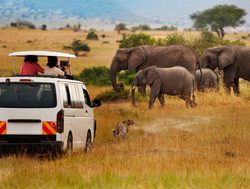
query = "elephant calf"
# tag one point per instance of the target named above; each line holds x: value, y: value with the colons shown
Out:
x: 209, y: 80
x: 176, y: 81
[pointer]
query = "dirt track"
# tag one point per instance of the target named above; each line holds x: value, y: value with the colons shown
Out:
x: 182, y: 123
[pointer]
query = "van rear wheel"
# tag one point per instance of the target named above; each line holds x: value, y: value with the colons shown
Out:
x: 69, y: 148
x: 88, y: 144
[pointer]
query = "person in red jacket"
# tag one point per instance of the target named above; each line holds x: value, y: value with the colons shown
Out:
x: 30, y: 66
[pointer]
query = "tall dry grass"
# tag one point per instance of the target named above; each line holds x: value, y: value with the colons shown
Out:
x: 171, y: 147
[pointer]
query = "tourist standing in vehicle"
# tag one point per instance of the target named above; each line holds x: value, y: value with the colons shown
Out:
x: 52, y: 67
x: 65, y: 67
x: 30, y: 66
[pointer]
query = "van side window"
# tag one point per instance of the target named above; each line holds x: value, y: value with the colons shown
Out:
x: 86, y: 97
x: 68, y: 97
x: 80, y: 98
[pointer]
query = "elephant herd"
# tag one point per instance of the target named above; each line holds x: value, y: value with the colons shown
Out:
x: 178, y: 70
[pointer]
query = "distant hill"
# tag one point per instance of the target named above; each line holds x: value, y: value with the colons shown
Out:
x: 59, y: 12
x: 106, y: 13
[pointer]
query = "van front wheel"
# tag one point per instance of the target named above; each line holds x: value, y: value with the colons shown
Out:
x: 88, y: 144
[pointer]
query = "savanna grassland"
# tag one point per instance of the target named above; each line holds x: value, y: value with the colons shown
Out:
x: 172, y: 147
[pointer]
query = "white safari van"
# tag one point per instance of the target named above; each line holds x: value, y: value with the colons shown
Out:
x: 44, y: 113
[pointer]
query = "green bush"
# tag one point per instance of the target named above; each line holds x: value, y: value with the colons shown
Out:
x: 244, y: 37
x: 208, y: 40
x: 167, y: 28
x: 96, y: 76
x: 236, y: 42
x: 100, y: 76
x: 126, y: 77
x: 77, y: 46
x: 23, y: 24
x: 135, y: 40
x: 92, y: 36
x: 121, y: 26
x: 173, y: 39
x: 112, y: 95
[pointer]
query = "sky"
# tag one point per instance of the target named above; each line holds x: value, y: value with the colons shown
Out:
x: 181, y: 9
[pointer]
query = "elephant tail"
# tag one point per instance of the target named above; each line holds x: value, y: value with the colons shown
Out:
x: 193, y: 93
x: 199, y: 66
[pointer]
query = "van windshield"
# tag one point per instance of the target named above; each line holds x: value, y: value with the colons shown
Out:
x: 27, y: 95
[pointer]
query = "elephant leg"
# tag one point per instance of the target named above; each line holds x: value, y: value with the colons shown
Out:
x: 227, y: 85
x: 236, y: 87
x: 193, y: 103
x: 228, y: 78
x: 186, y: 99
x: 151, y: 100
x: 155, y: 91
x: 161, y: 99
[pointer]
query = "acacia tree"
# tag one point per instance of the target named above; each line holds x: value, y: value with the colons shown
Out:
x: 219, y: 17
x: 120, y: 27
x: 78, y: 46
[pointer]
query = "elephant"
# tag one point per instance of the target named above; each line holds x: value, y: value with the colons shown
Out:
x: 233, y: 60
x: 138, y: 58
x: 209, y: 80
x: 175, y: 81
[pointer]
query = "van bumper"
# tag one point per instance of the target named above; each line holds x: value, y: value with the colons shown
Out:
x: 34, y: 143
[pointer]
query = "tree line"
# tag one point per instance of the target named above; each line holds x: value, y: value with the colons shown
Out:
x: 214, y: 19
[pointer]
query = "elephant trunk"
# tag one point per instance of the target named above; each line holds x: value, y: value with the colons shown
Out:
x: 113, y: 73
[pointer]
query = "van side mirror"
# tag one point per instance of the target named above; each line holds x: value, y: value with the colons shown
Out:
x: 96, y: 103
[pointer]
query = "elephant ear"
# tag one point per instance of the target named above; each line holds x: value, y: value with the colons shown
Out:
x: 226, y: 57
x: 151, y: 74
x: 136, y: 58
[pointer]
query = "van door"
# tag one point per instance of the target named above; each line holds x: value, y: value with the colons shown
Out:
x: 26, y: 106
x: 83, y: 115
x: 69, y: 114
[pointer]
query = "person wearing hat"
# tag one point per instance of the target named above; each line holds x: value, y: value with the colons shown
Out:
x: 30, y: 66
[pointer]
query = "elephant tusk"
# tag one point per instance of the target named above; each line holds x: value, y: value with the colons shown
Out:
x: 133, y: 87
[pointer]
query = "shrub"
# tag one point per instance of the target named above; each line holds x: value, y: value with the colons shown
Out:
x: 243, y: 37
x: 119, y: 27
x: 78, y: 46
x: 208, y: 39
x: 100, y: 76
x: 143, y: 27
x: 126, y: 77
x: 112, y: 95
x: 236, y: 42
x: 92, y: 36
x: 135, y: 40
x: 167, y: 28
x: 44, y: 27
x: 96, y: 76
x: 173, y: 39
x: 23, y: 24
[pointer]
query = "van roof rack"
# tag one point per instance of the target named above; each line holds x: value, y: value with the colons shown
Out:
x: 39, y: 54
x: 46, y: 76
x: 42, y: 53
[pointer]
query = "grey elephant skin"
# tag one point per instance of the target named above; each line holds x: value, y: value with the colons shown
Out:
x: 138, y: 58
x: 209, y: 80
x: 175, y: 81
x: 233, y: 60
